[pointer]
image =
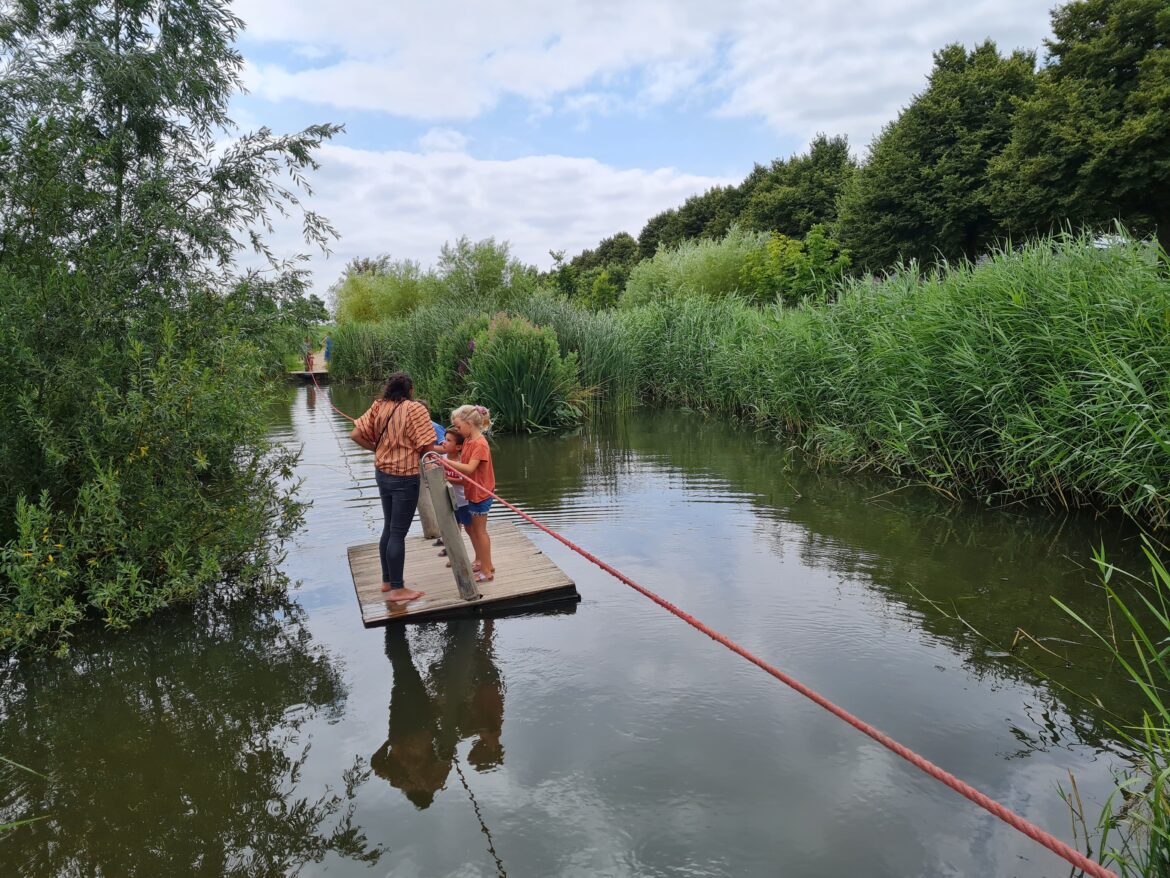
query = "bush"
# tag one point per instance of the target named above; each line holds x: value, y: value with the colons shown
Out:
x: 518, y: 372
x: 137, y: 472
x: 394, y: 290
x: 788, y: 270
x: 708, y: 269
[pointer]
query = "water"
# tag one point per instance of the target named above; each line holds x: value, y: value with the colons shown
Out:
x: 273, y: 736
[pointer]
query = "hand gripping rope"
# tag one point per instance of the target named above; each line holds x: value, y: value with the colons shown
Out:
x: 1034, y: 832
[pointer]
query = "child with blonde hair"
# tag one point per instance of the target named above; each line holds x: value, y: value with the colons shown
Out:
x: 475, y: 462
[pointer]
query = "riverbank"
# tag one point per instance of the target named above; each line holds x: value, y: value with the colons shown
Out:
x: 1041, y: 374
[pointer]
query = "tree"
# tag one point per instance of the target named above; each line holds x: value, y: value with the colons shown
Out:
x: 109, y: 118
x: 796, y: 194
x: 596, y: 278
x: 1092, y: 144
x: 135, y: 471
x: 484, y: 273
x: 924, y: 192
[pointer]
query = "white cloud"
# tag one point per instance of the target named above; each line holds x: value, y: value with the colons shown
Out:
x: 443, y: 140
x: 407, y: 204
x: 834, y: 66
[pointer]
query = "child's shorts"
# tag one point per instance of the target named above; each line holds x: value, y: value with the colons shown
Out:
x: 463, y: 515
x: 480, y: 508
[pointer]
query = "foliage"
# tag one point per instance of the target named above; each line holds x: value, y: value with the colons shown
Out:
x: 1091, y: 144
x: 394, y: 290
x: 597, y: 339
x: 596, y: 278
x: 484, y: 274
x: 924, y: 193
x: 134, y: 468
x: 790, y: 196
x: 446, y: 383
x: 108, y: 119
x: 1040, y: 374
x: 518, y: 372
x: 793, y: 196
x: 789, y: 270
x: 1134, y: 835
x: 709, y: 215
x: 707, y: 269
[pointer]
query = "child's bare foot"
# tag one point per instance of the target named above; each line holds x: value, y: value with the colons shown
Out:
x: 480, y: 576
x: 403, y: 595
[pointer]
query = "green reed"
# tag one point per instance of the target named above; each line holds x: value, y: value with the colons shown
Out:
x: 1133, y: 830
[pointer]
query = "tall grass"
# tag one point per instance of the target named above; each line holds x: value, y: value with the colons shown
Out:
x: 599, y: 341
x: 1134, y: 826
x: 1044, y: 373
x: 518, y: 372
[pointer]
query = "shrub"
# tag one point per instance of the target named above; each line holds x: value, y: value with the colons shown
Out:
x: 518, y: 372
x: 788, y: 270
x: 708, y: 269
x: 393, y: 290
x: 136, y: 474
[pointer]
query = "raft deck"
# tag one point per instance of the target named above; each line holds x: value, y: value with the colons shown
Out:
x: 525, y: 580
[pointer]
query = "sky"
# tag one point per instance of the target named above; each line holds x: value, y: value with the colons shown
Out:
x: 553, y: 125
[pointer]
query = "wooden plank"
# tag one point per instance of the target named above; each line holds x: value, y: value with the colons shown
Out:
x: 526, y: 579
x: 434, y: 485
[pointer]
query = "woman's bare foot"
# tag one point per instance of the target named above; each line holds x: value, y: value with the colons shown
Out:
x: 403, y: 595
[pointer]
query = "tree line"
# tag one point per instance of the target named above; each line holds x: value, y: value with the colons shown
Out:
x: 994, y: 149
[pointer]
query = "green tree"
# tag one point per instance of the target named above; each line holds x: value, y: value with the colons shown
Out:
x: 614, y: 257
x: 484, y: 273
x: 924, y: 193
x: 134, y: 468
x: 393, y: 288
x: 1092, y: 144
x: 796, y: 194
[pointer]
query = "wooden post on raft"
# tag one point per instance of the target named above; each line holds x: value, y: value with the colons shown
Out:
x: 434, y: 483
x: 426, y: 513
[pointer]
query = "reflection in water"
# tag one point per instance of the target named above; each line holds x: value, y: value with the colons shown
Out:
x: 462, y: 698
x: 178, y: 751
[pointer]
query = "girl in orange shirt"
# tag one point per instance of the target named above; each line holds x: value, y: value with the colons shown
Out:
x: 476, y: 462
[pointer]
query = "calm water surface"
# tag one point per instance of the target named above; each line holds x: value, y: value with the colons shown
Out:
x: 276, y: 736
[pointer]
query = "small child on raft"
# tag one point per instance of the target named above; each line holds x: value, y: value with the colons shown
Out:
x: 475, y: 461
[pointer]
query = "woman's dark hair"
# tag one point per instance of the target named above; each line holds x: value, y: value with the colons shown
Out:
x: 398, y: 387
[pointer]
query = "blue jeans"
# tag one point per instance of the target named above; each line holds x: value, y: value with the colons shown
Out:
x: 399, y: 500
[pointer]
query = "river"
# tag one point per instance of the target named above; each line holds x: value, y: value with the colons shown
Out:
x: 274, y: 735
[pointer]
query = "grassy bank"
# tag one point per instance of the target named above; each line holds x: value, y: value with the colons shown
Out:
x: 1041, y: 374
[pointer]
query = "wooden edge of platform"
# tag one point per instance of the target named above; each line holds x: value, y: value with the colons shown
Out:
x: 553, y: 602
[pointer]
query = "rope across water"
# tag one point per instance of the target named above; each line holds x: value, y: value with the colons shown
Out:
x: 1034, y: 832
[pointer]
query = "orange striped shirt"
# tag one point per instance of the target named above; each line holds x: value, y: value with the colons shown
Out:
x: 408, y: 434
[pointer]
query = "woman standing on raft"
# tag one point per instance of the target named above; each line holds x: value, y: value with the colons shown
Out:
x: 398, y: 430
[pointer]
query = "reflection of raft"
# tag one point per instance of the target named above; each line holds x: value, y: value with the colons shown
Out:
x: 525, y: 580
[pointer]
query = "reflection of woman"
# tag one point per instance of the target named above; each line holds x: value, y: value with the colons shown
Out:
x: 465, y: 700
x: 408, y: 759
x: 399, y: 430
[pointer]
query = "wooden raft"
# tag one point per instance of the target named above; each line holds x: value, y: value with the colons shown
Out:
x: 525, y: 580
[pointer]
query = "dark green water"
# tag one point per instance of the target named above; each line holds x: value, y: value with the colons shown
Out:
x: 277, y: 736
